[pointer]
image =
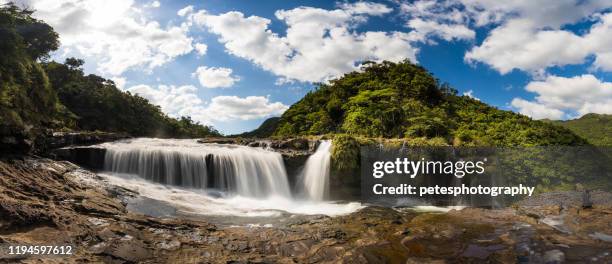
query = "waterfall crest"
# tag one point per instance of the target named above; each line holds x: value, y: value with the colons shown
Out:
x: 246, y: 171
x: 315, y: 175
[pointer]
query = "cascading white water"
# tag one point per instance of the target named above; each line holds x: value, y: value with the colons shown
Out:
x: 255, y: 178
x: 246, y: 171
x: 315, y: 175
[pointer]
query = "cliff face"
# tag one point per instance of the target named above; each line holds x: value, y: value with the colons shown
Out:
x: 46, y: 141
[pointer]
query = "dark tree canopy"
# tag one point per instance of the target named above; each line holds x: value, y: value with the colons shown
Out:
x: 74, y: 63
x: 37, y: 37
x: 97, y: 104
x: 26, y: 97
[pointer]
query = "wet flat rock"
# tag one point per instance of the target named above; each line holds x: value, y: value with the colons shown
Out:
x: 50, y: 202
x: 568, y: 198
x: 46, y: 202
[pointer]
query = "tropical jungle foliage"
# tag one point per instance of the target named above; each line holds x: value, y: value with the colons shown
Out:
x: 97, y: 104
x: 26, y: 96
x: 36, y: 94
x: 403, y: 100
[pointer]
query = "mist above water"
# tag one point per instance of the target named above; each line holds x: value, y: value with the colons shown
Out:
x: 211, y: 202
x: 241, y: 170
x: 220, y: 179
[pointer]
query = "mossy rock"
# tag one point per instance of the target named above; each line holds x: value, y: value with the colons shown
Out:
x: 345, y: 153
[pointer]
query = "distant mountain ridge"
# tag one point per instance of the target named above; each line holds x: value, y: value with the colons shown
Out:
x: 266, y: 129
x: 595, y: 128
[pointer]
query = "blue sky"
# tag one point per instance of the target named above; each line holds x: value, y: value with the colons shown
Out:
x: 262, y: 56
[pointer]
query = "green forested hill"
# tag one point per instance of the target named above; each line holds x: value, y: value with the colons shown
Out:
x: 266, y: 129
x: 36, y: 95
x: 595, y: 128
x: 97, y: 104
x: 403, y: 100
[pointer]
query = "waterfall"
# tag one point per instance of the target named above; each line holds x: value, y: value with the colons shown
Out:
x: 246, y: 171
x: 315, y: 175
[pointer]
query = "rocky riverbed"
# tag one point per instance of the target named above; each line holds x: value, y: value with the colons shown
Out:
x: 46, y: 202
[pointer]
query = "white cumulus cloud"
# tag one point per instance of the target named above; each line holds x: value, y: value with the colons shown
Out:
x: 599, y: 42
x: 423, y: 30
x: 429, y: 19
x: 520, y: 45
x: 119, y: 81
x: 470, y: 94
x: 225, y: 108
x: 201, y: 48
x: 563, y: 97
x: 215, y: 77
x: 532, y: 41
x: 374, y: 9
x: 177, y: 101
x: 115, y: 34
x: 185, y: 11
x: 526, y: 35
x: 153, y: 4
x: 319, y: 44
x: 536, y: 110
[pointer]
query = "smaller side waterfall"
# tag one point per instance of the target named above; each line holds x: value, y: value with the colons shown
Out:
x: 315, y: 175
